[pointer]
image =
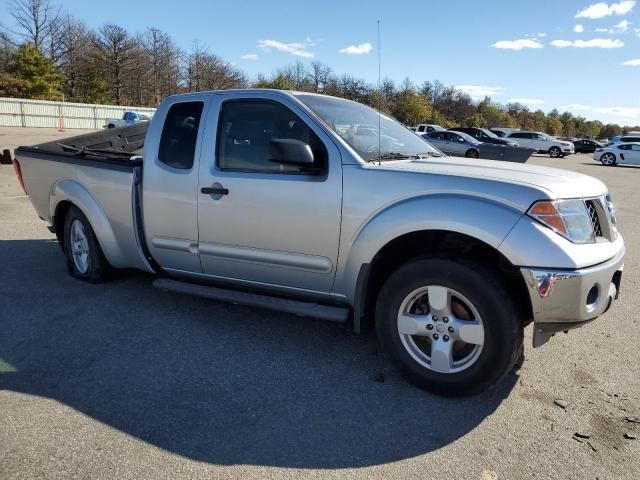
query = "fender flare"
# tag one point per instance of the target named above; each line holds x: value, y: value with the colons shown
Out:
x: 73, y: 192
x: 444, y: 212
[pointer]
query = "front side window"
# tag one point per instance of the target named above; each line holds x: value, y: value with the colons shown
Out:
x: 179, y: 135
x: 624, y: 147
x: 247, y: 129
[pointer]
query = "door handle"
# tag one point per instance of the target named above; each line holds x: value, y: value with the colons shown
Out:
x: 214, y: 191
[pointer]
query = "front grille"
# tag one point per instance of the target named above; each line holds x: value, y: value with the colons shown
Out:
x: 593, y: 216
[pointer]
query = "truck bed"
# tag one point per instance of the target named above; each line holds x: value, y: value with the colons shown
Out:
x: 114, y: 146
x: 98, y: 172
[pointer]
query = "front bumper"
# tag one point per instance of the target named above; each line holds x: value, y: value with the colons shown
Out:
x: 565, y: 299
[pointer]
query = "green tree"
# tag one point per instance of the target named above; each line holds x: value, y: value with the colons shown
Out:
x: 476, y: 120
x: 31, y: 75
x: 280, y: 81
x: 554, y: 126
x: 410, y: 108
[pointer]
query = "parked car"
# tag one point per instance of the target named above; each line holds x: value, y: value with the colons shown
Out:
x: 425, y: 128
x: 252, y: 197
x: 543, y: 143
x: 624, y: 153
x: 128, y: 118
x: 457, y: 144
x: 586, y: 146
x: 628, y: 138
x: 502, y: 131
x: 485, y: 136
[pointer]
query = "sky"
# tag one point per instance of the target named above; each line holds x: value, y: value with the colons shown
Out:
x: 575, y: 55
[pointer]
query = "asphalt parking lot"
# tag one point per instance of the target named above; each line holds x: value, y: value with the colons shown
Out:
x: 124, y: 381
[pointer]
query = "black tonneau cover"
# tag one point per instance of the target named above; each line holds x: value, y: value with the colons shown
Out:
x: 124, y: 142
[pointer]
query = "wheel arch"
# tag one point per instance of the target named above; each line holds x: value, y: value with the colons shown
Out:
x: 438, y: 244
x: 67, y: 193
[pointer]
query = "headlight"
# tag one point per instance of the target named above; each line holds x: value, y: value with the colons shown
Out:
x: 568, y: 218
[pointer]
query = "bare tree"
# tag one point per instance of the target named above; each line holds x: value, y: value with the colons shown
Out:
x: 75, y: 49
x: 206, y: 71
x: 319, y: 76
x: 114, y: 50
x: 34, y: 19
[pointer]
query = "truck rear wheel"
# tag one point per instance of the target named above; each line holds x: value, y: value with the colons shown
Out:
x: 448, y: 325
x: 85, y: 259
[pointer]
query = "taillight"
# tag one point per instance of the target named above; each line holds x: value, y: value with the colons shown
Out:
x: 16, y: 168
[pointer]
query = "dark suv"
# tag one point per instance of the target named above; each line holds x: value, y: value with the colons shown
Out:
x: 485, y: 136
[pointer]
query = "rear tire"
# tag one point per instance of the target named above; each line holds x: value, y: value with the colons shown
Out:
x: 478, y: 355
x: 608, y: 159
x: 84, y: 256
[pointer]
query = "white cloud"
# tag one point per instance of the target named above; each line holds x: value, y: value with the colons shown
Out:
x: 517, y: 44
x: 296, y: 49
x: 541, y: 34
x: 603, y: 9
x: 620, y: 115
x: 632, y: 63
x: 578, y: 28
x: 250, y: 56
x: 479, y: 92
x: 576, y: 106
x: 360, y: 49
x: 621, y: 27
x: 527, y: 101
x: 593, y: 43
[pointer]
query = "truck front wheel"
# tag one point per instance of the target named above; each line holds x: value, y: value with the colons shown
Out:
x: 449, y: 325
x: 85, y: 259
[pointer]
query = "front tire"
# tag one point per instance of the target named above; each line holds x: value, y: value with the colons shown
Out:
x: 608, y: 159
x: 449, y: 326
x: 555, y: 152
x: 472, y: 153
x: 85, y: 259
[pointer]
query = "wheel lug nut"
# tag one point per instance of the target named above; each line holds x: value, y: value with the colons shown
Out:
x: 435, y: 319
x: 450, y: 329
x: 446, y: 338
x: 435, y: 336
x: 445, y: 319
x: 429, y: 327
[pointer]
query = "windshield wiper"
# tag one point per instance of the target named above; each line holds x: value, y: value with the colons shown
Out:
x: 396, y: 156
x: 82, y: 151
x: 430, y: 154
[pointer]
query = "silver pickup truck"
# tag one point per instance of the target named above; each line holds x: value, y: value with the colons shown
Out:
x: 270, y: 199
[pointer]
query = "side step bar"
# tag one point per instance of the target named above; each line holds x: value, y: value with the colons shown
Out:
x: 297, y: 307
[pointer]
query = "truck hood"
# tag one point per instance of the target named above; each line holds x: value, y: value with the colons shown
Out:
x: 556, y: 183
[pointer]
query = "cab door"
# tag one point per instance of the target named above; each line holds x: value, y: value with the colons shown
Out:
x: 263, y: 222
x: 170, y: 183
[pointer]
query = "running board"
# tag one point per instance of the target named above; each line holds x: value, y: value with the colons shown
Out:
x: 297, y: 307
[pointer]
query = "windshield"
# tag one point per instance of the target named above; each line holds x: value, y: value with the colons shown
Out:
x: 489, y: 133
x: 357, y: 124
x: 467, y: 137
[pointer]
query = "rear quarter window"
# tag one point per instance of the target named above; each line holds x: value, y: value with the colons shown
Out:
x: 179, y: 135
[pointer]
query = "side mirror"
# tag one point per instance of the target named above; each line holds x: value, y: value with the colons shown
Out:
x: 291, y: 152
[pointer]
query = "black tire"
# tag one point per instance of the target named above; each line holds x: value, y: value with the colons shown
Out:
x: 98, y: 268
x: 111, y: 126
x: 472, y: 153
x: 503, y: 337
x: 555, y: 152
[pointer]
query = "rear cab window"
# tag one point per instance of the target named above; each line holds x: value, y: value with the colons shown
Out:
x: 180, y: 134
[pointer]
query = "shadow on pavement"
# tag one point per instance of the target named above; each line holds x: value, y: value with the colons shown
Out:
x: 213, y: 382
